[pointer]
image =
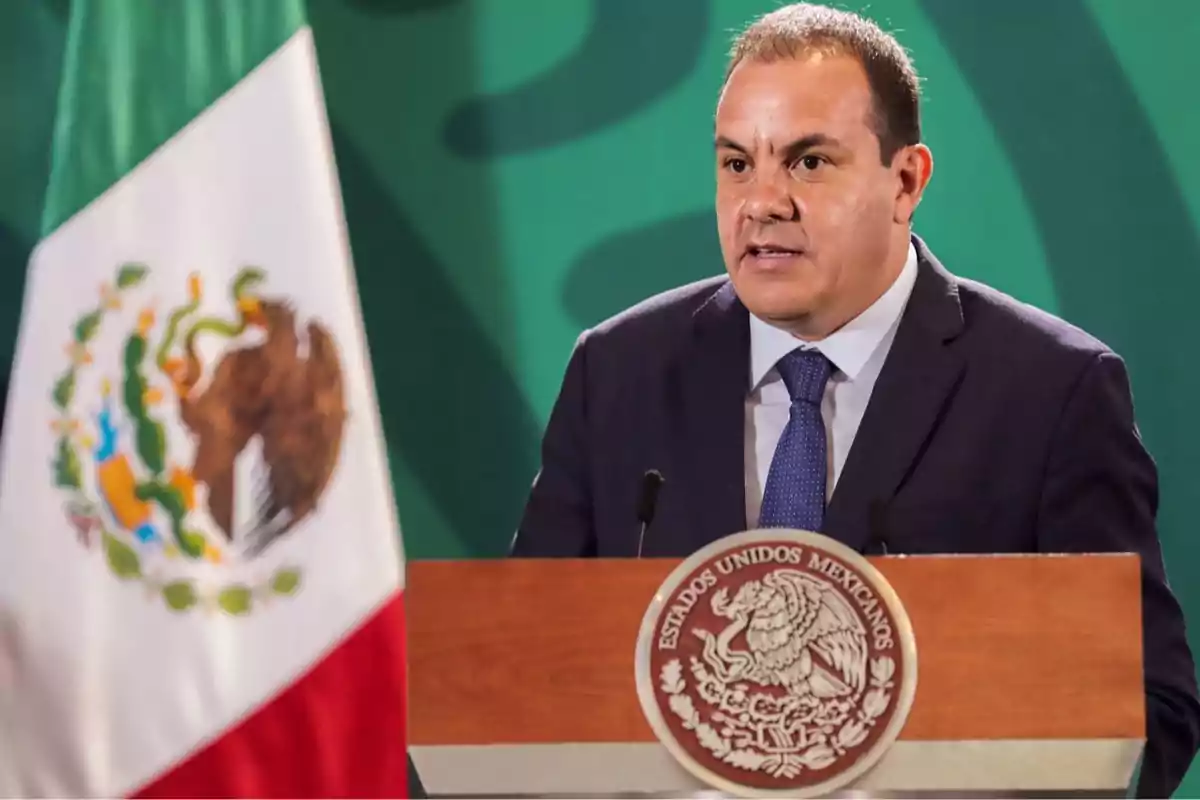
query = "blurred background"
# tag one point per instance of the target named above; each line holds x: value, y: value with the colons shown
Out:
x: 517, y: 170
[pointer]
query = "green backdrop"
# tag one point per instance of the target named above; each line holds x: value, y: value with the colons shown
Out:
x: 515, y: 170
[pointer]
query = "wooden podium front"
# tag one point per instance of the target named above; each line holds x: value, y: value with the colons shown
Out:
x: 1030, y: 677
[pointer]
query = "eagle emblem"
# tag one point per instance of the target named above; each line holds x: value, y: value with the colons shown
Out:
x: 787, y: 618
x: 776, y: 660
x: 190, y: 440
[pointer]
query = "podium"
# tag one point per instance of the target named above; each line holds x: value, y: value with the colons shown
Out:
x: 1030, y: 678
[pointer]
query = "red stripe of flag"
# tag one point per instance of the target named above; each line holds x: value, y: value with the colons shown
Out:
x: 337, y: 731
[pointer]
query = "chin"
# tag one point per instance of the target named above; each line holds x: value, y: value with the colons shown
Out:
x: 778, y: 310
x: 774, y: 303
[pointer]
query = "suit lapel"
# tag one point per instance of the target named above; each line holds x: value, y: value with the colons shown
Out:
x: 713, y: 375
x: 918, y: 378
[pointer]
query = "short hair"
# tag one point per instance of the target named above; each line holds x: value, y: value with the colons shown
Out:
x: 802, y: 28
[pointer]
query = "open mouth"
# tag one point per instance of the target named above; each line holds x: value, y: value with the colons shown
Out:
x: 771, y: 251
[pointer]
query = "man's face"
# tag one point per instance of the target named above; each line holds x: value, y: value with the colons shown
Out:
x: 813, y: 226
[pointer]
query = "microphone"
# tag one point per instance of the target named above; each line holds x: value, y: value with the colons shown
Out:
x: 652, y: 482
x: 877, y: 527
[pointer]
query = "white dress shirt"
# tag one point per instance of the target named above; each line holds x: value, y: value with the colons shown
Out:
x: 857, y: 351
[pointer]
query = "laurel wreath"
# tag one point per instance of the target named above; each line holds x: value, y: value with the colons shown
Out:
x: 179, y: 594
x: 781, y: 765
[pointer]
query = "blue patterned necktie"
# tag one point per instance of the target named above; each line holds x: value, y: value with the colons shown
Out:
x: 795, y: 492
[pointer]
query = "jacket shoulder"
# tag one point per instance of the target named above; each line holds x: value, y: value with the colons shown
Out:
x: 1024, y: 330
x: 659, y: 318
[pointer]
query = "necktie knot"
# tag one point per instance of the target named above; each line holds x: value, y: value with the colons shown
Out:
x: 805, y: 373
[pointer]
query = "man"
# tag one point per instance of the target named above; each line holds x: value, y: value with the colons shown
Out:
x: 839, y: 379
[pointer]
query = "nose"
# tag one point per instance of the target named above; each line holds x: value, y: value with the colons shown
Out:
x: 768, y: 200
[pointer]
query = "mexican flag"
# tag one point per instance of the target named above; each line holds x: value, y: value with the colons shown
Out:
x: 201, y: 575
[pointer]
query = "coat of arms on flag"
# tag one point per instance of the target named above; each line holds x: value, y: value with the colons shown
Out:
x: 151, y: 431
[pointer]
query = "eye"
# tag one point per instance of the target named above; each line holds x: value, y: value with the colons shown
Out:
x: 736, y: 165
x: 810, y: 163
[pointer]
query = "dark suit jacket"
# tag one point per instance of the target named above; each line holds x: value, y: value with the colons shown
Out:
x: 993, y: 428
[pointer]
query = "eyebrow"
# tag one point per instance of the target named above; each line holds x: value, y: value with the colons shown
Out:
x: 790, y: 150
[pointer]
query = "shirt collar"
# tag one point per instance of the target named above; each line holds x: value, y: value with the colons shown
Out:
x: 849, y: 347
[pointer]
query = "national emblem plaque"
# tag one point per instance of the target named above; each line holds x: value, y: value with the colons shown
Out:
x: 776, y: 662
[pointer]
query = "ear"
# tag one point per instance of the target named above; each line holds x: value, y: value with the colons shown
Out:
x: 912, y: 166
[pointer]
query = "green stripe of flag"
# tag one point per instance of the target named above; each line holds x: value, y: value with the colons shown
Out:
x: 137, y: 71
